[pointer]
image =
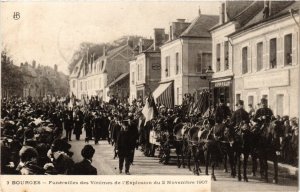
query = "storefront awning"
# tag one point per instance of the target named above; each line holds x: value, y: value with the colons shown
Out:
x: 163, y: 94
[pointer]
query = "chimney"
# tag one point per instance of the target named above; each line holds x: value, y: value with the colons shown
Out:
x: 33, y: 63
x: 181, y: 20
x: 140, y: 45
x: 170, y: 33
x: 104, y: 50
x: 199, y: 11
x: 178, y: 28
x: 55, y: 67
x: 21, y: 64
x: 222, y: 14
x: 130, y: 42
x: 159, y: 38
x: 267, y: 9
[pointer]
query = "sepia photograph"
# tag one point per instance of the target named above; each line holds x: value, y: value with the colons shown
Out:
x: 150, y: 95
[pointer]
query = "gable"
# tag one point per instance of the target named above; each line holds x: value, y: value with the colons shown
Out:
x: 126, y: 53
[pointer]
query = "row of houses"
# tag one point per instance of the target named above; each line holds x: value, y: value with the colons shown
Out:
x: 251, y: 51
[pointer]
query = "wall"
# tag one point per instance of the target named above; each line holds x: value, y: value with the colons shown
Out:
x: 282, y: 80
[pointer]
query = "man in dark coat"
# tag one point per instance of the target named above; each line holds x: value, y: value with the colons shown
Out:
x: 222, y: 112
x: 78, y: 122
x: 133, y: 131
x: 240, y: 115
x: 88, y: 126
x: 84, y: 167
x: 124, y: 147
x: 97, y: 127
x: 68, y: 124
x: 263, y: 115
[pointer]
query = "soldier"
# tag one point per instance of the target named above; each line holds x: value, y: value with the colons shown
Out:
x: 263, y: 115
x: 222, y: 112
x: 240, y: 115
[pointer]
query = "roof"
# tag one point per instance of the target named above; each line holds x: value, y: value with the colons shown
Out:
x: 278, y: 9
x: 200, y: 26
x: 115, y: 50
x: 249, y: 12
x: 121, y: 77
x: 241, y: 12
x: 234, y: 8
x: 75, y: 72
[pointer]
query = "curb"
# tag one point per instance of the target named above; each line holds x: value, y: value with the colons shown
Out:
x: 289, y: 169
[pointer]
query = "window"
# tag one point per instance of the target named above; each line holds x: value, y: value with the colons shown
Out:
x: 266, y: 97
x: 132, y: 77
x: 288, y: 49
x: 244, y: 60
x: 177, y: 95
x: 237, y: 97
x: 250, y: 100
x: 167, y: 70
x: 206, y: 60
x: 74, y: 83
x: 140, y: 72
x: 199, y: 63
x: 226, y: 56
x: 177, y: 63
x: 218, y: 62
x: 138, y: 69
x: 259, y: 54
x: 99, y: 82
x: 80, y: 85
x: 273, y: 50
x: 279, y: 104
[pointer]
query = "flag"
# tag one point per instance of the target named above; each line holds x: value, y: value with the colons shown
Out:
x: 149, y: 110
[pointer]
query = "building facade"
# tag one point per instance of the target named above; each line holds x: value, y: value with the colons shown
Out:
x: 184, y: 59
x: 145, y: 69
x: 90, y: 78
x: 266, y: 59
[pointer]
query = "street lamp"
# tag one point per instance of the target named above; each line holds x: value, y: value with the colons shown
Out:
x: 209, y: 72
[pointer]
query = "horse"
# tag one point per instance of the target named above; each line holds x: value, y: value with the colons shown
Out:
x: 210, y: 147
x: 179, y: 132
x: 193, y: 147
x: 225, y: 137
x: 243, y: 144
x: 269, y: 147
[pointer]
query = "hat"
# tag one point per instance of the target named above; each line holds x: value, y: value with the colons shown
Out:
x: 87, y: 152
x: 263, y: 100
x: 240, y: 102
x: 27, y: 153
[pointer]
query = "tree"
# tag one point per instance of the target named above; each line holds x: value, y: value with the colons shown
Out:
x: 11, y: 77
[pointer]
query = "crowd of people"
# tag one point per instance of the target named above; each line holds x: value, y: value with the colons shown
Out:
x: 36, y: 134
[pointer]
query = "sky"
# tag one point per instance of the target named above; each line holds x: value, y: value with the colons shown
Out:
x: 50, y: 32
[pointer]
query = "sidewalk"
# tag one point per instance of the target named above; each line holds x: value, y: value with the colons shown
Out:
x: 288, y: 169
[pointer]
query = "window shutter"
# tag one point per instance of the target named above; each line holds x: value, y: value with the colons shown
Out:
x: 267, y: 55
x: 280, y: 51
x: 254, y: 57
x: 249, y: 55
x: 295, y: 47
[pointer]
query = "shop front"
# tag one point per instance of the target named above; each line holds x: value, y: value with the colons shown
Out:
x: 222, y: 91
